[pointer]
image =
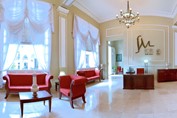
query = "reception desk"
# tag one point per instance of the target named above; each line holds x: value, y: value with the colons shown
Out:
x: 165, y: 75
x: 138, y: 81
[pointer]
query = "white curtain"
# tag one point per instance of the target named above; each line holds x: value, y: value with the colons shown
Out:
x: 27, y: 21
x: 86, y: 38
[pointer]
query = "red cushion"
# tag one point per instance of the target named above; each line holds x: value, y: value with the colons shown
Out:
x: 25, y: 79
x: 20, y: 79
x: 65, y: 81
x: 66, y: 92
x: 90, y: 73
x: 41, y: 79
x: 20, y: 88
x: 93, y: 78
x: 27, y: 88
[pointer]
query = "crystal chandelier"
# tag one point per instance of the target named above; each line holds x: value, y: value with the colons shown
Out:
x: 128, y: 18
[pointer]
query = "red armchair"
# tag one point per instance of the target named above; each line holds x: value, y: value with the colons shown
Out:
x: 72, y: 86
x: 140, y: 70
x: 120, y: 70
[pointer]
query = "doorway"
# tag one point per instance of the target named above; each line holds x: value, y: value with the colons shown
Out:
x: 111, y: 60
x: 115, y: 56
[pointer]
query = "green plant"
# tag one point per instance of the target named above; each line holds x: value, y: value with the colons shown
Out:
x: 114, y: 69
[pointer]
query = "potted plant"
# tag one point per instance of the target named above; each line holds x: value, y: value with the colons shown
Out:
x: 114, y: 68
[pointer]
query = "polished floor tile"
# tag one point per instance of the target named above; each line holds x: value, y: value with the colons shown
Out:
x: 106, y: 99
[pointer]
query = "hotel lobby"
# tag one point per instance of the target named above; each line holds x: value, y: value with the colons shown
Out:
x: 60, y: 37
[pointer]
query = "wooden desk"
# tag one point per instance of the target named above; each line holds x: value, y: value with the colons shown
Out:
x: 138, y: 81
x: 27, y: 97
x: 165, y: 75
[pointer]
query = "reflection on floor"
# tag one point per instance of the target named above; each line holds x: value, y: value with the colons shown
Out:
x: 116, y: 76
x: 104, y: 99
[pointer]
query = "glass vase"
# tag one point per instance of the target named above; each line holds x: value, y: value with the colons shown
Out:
x: 34, y: 87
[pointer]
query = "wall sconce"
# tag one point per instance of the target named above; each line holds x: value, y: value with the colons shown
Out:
x: 146, y: 65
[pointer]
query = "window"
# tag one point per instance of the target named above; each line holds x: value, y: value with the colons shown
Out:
x: 26, y: 35
x: 25, y: 59
x: 27, y: 55
x: 86, y: 44
x: 87, y: 59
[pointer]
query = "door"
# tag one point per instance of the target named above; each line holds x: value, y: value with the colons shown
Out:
x: 111, y: 60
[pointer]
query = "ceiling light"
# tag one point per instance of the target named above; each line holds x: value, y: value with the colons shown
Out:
x: 128, y: 18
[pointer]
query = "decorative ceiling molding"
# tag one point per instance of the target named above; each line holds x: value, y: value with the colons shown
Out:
x: 63, y: 10
x: 88, y: 12
x: 103, y: 11
x: 174, y: 12
x: 67, y: 3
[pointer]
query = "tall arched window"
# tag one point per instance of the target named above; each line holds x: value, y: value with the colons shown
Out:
x: 26, y: 29
x: 86, y: 44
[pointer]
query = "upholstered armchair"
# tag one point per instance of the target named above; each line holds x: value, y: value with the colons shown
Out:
x: 72, y: 86
x: 120, y: 70
x: 140, y: 70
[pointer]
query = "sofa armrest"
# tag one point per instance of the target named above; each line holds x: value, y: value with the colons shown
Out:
x: 6, y: 77
x: 97, y: 72
x: 80, y: 73
x: 48, y: 77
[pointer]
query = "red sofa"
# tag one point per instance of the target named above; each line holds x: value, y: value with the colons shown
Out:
x: 22, y: 82
x: 72, y: 86
x: 90, y: 74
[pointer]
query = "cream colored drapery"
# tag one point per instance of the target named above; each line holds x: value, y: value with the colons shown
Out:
x: 86, y: 38
x: 25, y: 21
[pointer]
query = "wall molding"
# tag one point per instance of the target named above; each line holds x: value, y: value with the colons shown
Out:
x: 128, y: 35
x: 164, y: 40
x: 119, y: 28
x: 63, y: 10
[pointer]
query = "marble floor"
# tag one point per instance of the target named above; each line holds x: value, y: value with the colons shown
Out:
x: 104, y: 99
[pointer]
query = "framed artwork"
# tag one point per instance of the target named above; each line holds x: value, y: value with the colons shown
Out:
x: 118, y: 57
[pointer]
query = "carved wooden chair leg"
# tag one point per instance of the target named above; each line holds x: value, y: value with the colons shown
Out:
x: 83, y: 98
x: 60, y: 95
x: 7, y: 94
x: 71, y: 103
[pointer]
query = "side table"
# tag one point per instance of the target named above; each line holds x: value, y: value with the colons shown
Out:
x: 56, y: 85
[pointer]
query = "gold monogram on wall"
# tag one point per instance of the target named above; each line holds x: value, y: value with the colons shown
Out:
x: 141, y: 44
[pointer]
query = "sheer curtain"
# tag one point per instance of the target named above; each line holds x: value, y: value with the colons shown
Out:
x: 86, y: 38
x: 28, y: 21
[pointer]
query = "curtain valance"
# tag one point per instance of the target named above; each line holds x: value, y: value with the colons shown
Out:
x: 85, y: 29
x: 38, y: 13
